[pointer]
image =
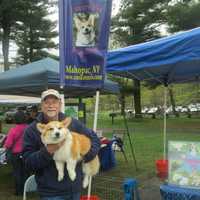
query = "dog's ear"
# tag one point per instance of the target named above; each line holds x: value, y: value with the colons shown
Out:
x: 67, y: 121
x: 77, y: 22
x: 40, y: 127
x: 91, y: 20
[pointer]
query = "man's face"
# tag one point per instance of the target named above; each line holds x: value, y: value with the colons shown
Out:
x: 51, y: 107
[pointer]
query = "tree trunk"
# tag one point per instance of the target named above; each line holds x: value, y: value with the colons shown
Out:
x: 171, y: 95
x: 122, y: 102
x: 137, y: 98
x: 5, y: 46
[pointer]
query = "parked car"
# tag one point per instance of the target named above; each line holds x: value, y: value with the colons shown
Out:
x: 152, y: 110
x: 9, y: 115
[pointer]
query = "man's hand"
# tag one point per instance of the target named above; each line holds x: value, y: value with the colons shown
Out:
x: 52, y: 148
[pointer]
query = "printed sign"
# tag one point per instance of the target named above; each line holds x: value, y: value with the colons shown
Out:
x: 76, y: 110
x: 84, y: 32
x: 184, y: 163
x: 72, y: 111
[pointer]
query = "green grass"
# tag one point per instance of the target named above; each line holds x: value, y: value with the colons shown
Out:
x: 147, y: 139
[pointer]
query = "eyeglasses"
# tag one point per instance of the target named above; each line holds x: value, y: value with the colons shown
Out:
x: 49, y: 102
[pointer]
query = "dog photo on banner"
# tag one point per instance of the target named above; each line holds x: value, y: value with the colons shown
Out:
x: 85, y: 26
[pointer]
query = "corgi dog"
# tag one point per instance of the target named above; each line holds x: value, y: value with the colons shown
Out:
x: 73, y: 150
x: 85, y: 30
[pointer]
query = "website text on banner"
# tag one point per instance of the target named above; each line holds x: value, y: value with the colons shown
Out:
x: 84, y: 32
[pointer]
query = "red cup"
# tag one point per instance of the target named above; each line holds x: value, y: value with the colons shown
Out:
x: 93, y: 197
x: 162, y: 168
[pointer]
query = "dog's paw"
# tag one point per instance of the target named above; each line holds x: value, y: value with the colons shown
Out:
x: 85, y: 182
x: 60, y: 177
x: 72, y: 175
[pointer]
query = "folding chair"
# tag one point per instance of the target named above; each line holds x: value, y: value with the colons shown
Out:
x: 3, y: 156
x: 2, y: 139
x: 118, y: 141
x: 30, y: 186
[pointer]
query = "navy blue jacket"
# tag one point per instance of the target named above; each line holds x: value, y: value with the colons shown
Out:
x: 41, y: 163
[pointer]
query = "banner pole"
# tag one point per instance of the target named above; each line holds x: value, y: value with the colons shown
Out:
x: 62, y: 96
x: 94, y: 128
x: 96, y: 111
x: 165, y: 123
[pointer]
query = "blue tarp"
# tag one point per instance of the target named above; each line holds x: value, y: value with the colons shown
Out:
x: 172, y: 59
x: 33, y: 78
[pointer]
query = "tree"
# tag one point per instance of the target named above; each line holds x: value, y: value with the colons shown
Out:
x: 12, y: 14
x: 8, y: 18
x: 172, y: 100
x: 34, y: 33
x: 183, y: 15
x: 137, y: 22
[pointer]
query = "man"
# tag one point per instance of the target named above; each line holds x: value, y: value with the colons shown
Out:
x: 32, y: 114
x: 39, y: 158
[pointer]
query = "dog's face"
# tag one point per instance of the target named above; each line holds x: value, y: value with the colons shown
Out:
x: 85, y: 26
x: 54, y: 132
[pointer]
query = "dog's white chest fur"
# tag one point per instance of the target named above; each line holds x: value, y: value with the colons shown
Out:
x: 63, y: 152
x: 64, y: 156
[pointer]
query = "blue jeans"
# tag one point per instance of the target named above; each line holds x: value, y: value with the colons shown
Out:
x: 72, y: 196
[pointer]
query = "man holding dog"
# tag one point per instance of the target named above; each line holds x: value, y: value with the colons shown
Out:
x: 39, y: 158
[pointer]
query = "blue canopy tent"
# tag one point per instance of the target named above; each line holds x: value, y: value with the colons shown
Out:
x: 173, y: 59
x: 33, y: 78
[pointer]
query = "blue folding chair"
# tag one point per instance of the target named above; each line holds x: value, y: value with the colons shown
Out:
x: 131, y: 189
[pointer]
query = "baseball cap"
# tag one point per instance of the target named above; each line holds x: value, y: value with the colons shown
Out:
x: 48, y: 92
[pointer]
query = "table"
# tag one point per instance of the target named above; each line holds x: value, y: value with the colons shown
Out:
x: 170, y: 192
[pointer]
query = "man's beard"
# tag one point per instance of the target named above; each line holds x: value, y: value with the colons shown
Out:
x: 52, y: 114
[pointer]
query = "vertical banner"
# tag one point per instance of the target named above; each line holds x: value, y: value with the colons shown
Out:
x: 83, y: 32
